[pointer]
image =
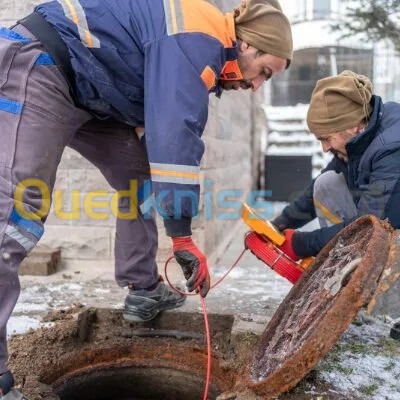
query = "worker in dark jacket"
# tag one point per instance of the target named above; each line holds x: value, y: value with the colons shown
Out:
x: 126, y: 84
x: 363, y: 177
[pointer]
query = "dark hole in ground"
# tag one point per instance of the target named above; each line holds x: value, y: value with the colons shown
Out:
x: 136, y: 383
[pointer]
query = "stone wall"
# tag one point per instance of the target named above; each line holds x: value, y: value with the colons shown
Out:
x: 230, y: 162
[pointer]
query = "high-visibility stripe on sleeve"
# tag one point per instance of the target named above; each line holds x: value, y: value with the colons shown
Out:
x: 173, y: 16
x: 174, y: 173
x: 75, y: 12
x: 31, y: 226
x: 27, y: 243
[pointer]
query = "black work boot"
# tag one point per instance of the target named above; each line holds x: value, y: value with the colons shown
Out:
x: 144, y: 305
x: 6, y: 388
x: 395, y: 331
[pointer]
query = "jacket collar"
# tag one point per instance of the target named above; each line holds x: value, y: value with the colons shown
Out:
x: 231, y: 71
x: 359, y: 144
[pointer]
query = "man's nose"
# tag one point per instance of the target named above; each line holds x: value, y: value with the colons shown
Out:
x: 326, y: 147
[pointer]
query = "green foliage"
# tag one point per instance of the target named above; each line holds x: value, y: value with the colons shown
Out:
x: 378, y: 19
x: 390, y: 346
x: 368, y: 390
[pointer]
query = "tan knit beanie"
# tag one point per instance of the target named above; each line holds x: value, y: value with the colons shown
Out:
x: 262, y: 24
x: 339, y: 102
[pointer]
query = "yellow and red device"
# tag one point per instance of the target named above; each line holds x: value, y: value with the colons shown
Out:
x: 263, y: 241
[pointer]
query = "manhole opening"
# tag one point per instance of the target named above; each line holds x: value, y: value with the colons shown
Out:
x: 135, y: 383
x: 96, y: 355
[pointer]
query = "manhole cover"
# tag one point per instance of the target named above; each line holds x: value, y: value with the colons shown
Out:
x: 320, y: 307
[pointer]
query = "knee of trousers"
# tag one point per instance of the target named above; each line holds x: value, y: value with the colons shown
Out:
x: 21, y: 235
x: 331, y: 191
x: 329, y: 185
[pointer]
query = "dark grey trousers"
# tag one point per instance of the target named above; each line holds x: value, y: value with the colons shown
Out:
x: 38, y: 119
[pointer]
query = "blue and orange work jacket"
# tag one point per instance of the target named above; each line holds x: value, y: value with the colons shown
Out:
x: 151, y: 63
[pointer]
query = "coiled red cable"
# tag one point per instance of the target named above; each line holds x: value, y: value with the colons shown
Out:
x: 204, y: 307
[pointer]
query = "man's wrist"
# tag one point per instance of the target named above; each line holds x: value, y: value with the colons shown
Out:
x: 280, y: 222
x: 178, y: 227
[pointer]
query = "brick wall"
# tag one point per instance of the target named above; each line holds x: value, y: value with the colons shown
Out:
x: 230, y: 161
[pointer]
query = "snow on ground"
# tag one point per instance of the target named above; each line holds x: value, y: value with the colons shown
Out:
x: 365, y: 362
x: 22, y: 324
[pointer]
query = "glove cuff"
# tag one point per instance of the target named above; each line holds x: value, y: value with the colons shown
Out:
x: 287, y: 247
x: 181, y: 242
x: 178, y: 227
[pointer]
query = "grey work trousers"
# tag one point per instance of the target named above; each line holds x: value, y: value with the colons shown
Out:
x: 38, y: 119
x: 332, y: 199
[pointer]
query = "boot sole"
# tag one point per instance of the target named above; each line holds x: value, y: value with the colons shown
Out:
x: 142, y: 316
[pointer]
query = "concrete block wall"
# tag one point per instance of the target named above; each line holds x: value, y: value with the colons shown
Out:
x: 230, y: 162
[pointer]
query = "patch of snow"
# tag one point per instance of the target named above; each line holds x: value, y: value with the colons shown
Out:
x: 375, y: 369
x: 365, y: 370
x: 289, y: 151
x: 288, y: 127
x: 318, y: 33
x: 101, y: 291
x: 21, y: 324
x: 73, y: 287
x: 293, y: 113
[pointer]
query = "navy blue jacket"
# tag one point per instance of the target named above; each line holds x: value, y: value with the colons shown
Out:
x: 372, y: 174
x: 153, y: 64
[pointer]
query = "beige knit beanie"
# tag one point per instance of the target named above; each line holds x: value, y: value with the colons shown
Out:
x: 262, y: 24
x: 339, y: 102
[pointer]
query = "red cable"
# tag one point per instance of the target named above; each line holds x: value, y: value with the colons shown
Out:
x: 208, y: 336
x: 203, y: 305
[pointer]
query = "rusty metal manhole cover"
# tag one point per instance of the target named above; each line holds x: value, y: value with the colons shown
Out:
x: 320, y: 307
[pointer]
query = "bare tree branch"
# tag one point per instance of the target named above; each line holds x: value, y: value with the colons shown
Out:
x: 377, y: 19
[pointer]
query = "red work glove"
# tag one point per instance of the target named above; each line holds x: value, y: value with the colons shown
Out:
x: 287, y: 246
x: 193, y: 263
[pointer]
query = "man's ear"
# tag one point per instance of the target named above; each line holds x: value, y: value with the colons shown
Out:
x: 353, y: 131
x: 243, y: 45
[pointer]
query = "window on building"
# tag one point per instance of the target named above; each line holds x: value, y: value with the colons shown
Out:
x: 297, y: 83
x: 321, y: 9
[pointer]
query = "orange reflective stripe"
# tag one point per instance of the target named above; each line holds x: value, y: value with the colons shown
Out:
x: 188, y: 175
x: 208, y: 77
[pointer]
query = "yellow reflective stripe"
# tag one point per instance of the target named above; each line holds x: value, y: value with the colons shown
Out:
x: 173, y: 16
x: 75, y: 18
x: 329, y: 216
x: 74, y: 10
x: 188, y: 175
x: 89, y: 41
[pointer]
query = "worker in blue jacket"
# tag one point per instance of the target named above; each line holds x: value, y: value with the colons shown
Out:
x: 126, y: 84
x: 363, y: 176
